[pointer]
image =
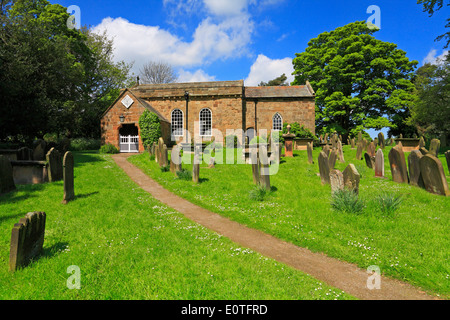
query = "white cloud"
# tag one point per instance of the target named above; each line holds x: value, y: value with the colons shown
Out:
x: 265, y: 69
x: 211, y: 41
x: 197, y: 76
x: 433, y: 59
x: 227, y: 7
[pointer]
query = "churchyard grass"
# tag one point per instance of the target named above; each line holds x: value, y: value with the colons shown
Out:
x: 410, y: 242
x: 127, y: 245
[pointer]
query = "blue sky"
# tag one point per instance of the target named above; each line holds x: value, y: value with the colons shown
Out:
x: 252, y: 40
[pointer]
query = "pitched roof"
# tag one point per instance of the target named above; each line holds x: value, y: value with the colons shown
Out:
x: 279, y: 91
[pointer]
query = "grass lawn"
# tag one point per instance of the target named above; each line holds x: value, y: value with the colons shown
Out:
x: 130, y: 246
x: 412, y: 245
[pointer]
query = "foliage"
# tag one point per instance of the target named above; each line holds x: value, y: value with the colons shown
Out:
x: 300, y: 131
x: 258, y: 193
x: 184, y: 175
x: 360, y: 82
x: 157, y: 73
x: 81, y: 144
x: 347, y: 201
x: 431, y: 113
x: 109, y: 148
x: 280, y: 81
x: 150, y: 128
x: 388, y: 203
x: 431, y: 6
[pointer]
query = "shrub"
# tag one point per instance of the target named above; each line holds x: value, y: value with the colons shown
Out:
x: 165, y: 168
x: 150, y: 128
x: 108, y: 148
x: 388, y: 203
x: 259, y: 193
x: 184, y: 175
x: 80, y: 144
x: 347, y: 201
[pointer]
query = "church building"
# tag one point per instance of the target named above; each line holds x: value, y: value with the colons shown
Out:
x: 205, y: 109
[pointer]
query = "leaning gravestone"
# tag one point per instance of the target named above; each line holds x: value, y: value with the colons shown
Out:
x: 309, y: 149
x: 370, y: 161
x: 39, y: 147
x: 68, y: 164
x: 433, y: 175
x: 415, y: 176
x: 332, y: 159
x: 351, y: 178
x: 27, y: 240
x: 324, y: 168
x: 398, y: 164
x: 55, y: 167
x: 6, y: 176
x: 336, y: 180
x: 379, y: 163
x: 381, y: 140
x: 435, y: 144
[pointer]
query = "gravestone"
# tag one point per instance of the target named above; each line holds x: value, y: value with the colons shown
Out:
x: 415, y: 176
x: 398, y: 164
x: 370, y: 161
x: 351, y: 178
x: 332, y: 159
x: 39, y: 147
x: 309, y: 149
x: 360, y: 136
x: 326, y: 149
x: 371, y: 148
x: 27, y: 240
x: 421, y: 143
x: 68, y: 176
x: 164, y: 156
x: 433, y: 175
x: 340, y: 152
x: 264, y: 168
x: 288, y: 142
x: 175, y: 159
x: 196, y: 165
x: 55, y: 167
x: 381, y: 140
x: 352, y: 143
x: 255, y: 171
x: 447, y: 157
x: 359, y: 149
x: 435, y: 144
x: 336, y: 180
x: 324, y: 168
x: 6, y: 175
x: 379, y: 163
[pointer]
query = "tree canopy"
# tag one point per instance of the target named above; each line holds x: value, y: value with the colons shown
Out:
x: 279, y: 81
x: 53, y: 78
x: 360, y: 82
x: 157, y: 73
x: 431, y: 6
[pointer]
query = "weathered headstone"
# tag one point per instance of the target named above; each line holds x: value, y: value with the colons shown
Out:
x: 421, y: 143
x: 398, y: 164
x: 324, y: 168
x: 27, y: 240
x: 340, y: 152
x: 435, y: 144
x: 352, y: 143
x: 360, y: 136
x: 336, y: 180
x: 433, y: 175
x: 326, y: 149
x: 6, y: 175
x: 309, y: 149
x: 68, y: 176
x: 415, y: 176
x: 332, y: 159
x: 351, y: 178
x: 359, y: 149
x: 381, y: 140
x: 264, y: 168
x: 55, y: 167
x: 379, y: 163
x: 370, y: 161
x: 165, y: 156
x: 371, y: 149
x: 175, y: 159
x: 39, y: 147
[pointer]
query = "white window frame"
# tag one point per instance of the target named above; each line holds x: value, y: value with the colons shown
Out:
x: 200, y: 123
x: 273, y: 122
x: 181, y: 130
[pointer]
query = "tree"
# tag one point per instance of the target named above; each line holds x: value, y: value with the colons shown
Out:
x: 360, y: 82
x: 431, y: 6
x: 431, y: 113
x: 280, y: 81
x: 157, y: 73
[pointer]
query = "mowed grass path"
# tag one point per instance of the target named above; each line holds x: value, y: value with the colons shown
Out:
x: 413, y: 245
x: 130, y: 246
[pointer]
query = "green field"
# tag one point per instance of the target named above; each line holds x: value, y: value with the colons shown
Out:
x: 127, y: 245
x: 412, y: 244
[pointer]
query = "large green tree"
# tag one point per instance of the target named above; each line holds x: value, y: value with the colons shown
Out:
x: 360, y: 82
